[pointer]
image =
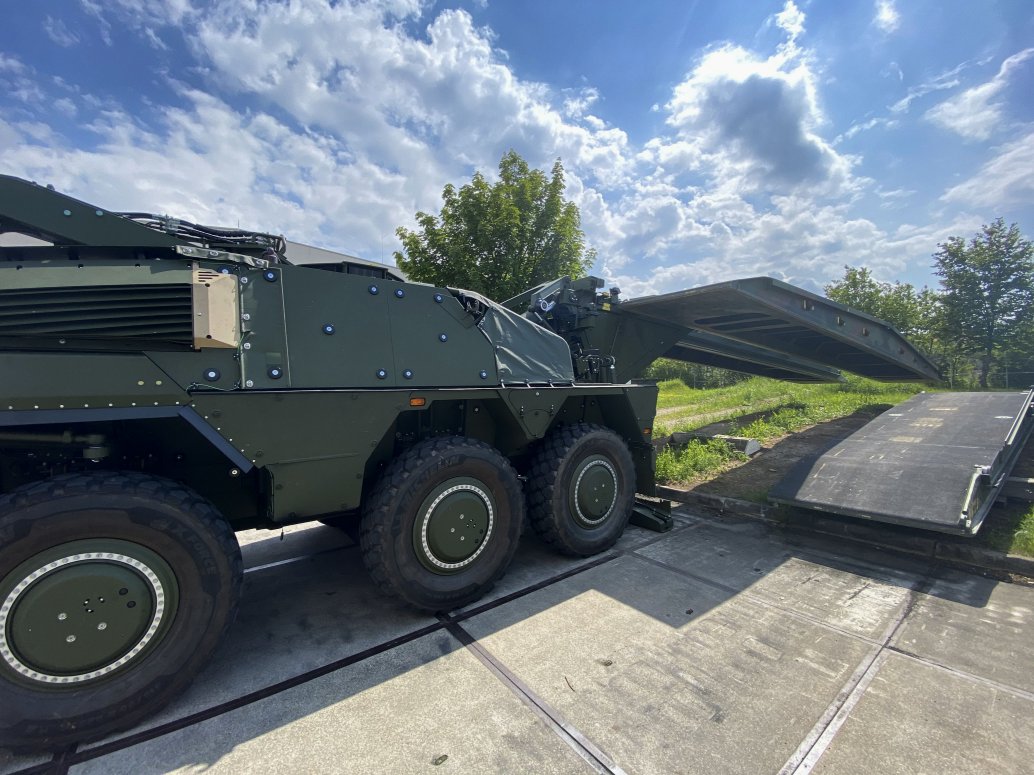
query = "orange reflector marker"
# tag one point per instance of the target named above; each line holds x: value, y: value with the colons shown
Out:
x: 417, y: 401
x: 647, y: 431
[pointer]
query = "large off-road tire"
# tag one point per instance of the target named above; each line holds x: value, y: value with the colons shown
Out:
x: 442, y: 523
x: 581, y: 489
x: 115, y: 588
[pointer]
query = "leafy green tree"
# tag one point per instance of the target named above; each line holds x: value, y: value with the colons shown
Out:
x: 911, y: 312
x: 988, y: 297
x: 498, y: 239
x: 694, y: 375
x: 917, y: 314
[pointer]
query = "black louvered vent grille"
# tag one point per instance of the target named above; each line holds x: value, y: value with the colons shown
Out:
x: 135, y: 312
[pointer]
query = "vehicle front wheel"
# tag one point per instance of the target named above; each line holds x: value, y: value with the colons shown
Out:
x: 115, y: 589
x: 442, y: 523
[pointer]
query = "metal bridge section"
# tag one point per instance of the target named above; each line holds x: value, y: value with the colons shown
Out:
x: 937, y: 461
x: 761, y: 325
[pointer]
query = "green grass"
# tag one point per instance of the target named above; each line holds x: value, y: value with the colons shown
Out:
x: 676, y: 393
x: 1011, y: 529
x: 770, y: 409
x: 787, y: 408
x: 695, y: 459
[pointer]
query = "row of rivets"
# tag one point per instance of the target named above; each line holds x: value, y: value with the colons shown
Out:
x: 98, y: 213
x: 213, y: 375
x: 408, y: 374
x: 275, y: 372
x: 400, y: 293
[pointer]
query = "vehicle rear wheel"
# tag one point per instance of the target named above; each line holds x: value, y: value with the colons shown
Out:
x: 115, y: 589
x: 581, y: 488
x: 442, y: 523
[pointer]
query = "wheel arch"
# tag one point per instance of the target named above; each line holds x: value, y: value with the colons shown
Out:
x: 174, y: 442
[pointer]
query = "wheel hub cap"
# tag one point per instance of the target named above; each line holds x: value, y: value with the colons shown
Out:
x: 595, y: 491
x: 82, y: 615
x: 453, y: 525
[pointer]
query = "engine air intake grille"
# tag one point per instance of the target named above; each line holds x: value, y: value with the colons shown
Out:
x: 125, y: 312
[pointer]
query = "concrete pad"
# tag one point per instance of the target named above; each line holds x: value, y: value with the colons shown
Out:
x: 977, y: 625
x: 294, y: 618
x: 302, y: 615
x: 865, y: 605
x: 666, y: 674
x: 735, y: 554
x: 397, y: 712
x: 858, y: 597
x: 685, y: 515
x: 261, y: 547
x: 917, y: 718
x: 10, y: 762
x: 536, y: 561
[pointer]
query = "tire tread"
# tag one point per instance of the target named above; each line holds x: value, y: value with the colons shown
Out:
x: 542, y: 481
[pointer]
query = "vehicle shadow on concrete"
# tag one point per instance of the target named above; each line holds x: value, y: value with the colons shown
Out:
x: 314, y: 637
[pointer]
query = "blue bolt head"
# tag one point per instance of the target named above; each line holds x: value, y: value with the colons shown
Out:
x: 329, y: 329
x: 399, y: 293
x: 443, y: 337
x: 381, y: 374
x: 407, y: 374
x: 439, y: 298
x: 374, y: 290
x: 269, y: 275
x: 483, y: 374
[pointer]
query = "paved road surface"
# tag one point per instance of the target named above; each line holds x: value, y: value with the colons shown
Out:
x: 720, y: 647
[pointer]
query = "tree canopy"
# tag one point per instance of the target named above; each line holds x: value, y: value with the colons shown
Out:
x: 900, y: 304
x: 988, y: 297
x: 498, y: 239
x: 983, y: 313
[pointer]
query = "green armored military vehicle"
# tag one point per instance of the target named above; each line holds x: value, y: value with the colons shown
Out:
x: 163, y: 384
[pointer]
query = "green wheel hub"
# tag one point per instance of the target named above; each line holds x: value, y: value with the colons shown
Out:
x: 453, y: 525
x: 83, y: 610
x: 595, y: 491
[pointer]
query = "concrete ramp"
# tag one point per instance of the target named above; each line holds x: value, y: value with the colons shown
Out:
x: 936, y: 461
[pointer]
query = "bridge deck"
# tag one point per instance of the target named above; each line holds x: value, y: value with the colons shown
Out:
x: 936, y: 461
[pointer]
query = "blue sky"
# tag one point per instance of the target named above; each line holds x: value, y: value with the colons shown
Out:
x: 703, y: 141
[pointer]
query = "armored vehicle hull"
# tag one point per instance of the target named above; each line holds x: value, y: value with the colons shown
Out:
x: 163, y: 384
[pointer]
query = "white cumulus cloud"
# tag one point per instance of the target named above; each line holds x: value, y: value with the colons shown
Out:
x: 334, y: 122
